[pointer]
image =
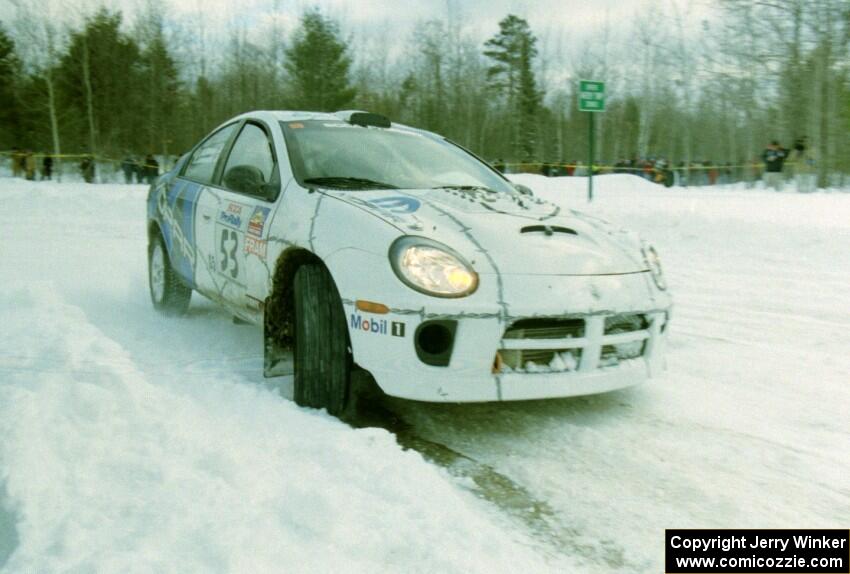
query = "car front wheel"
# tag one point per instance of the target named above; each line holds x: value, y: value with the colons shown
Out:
x: 168, y: 294
x: 322, y: 355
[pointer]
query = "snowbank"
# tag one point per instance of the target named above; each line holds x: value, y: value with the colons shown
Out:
x: 126, y: 446
x: 630, y: 195
x: 109, y: 471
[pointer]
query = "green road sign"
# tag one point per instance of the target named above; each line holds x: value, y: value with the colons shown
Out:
x: 591, y: 96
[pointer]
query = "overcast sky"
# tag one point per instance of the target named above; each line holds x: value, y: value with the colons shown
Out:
x: 565, y: 27
x: 573, y: 16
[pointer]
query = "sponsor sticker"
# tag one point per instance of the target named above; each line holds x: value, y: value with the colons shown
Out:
x: 377, y: 326
x: 254, y: 246
x: 230, y: 218
x: 258, y: 221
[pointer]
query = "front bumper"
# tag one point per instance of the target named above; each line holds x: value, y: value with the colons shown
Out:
x: 387, y: 348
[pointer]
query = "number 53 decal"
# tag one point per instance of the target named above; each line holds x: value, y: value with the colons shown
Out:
x: 229, y: 248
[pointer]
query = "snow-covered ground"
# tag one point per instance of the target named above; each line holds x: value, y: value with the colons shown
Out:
x: 134, y: 443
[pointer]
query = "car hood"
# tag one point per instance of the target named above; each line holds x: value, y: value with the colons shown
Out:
x: 511, y: 234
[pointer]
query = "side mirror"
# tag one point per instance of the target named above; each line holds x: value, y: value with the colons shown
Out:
x: 523, y: 189
x: 270, y: 190
x: 246, y: 179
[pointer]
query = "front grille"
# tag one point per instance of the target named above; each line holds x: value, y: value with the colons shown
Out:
x: 555, y: 345
x: 545, y: 329
x: 625, y: 323
x: 539, y: 360
x: 612, y: 354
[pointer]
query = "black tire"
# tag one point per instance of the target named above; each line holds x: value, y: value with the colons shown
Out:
x: 168, y: 294
x: 322, y: 356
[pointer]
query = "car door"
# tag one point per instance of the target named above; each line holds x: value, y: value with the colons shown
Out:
x: 185, y: 195
x: 235, y: 212
x: 177, y: 204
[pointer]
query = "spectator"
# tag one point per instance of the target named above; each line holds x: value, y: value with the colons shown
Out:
x: 726, y: 173
x: 47, y: 168
x: 659, y: 174
x: 29, y: 165
x: 682, y: 174
x: 139, y: 170
x: 87, y: 168
x: 712, y: 172
x: 753, y: 172
x: 648, y: 169
x: 17, y: 156
x: 128, y: 166
x: 151, y: 169
x: 562, y: 169
x: 804, y: 167
x: 773, y: 157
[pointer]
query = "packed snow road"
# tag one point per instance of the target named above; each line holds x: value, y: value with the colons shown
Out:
x: 130, y: 442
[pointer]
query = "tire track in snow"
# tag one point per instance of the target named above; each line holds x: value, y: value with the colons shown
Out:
x: 534, y: 515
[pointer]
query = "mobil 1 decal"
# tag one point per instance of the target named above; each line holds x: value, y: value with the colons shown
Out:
x: 377, y: 326
x: 176, y: 208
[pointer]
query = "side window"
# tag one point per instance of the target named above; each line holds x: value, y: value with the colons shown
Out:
x: 251, y: 162
x: 201, y: 166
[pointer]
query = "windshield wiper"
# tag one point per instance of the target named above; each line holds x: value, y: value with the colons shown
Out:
x: 466, y: 188
x: 349, y: 182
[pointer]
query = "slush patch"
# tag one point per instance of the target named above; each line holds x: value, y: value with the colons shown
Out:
x: 399, y: 205
x: 258, y: 221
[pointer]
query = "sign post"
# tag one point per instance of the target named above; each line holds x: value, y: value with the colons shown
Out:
x: 591, y: 98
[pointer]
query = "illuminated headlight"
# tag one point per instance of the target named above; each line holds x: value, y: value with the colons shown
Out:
x: 653, y: 262
x: 431, y: 267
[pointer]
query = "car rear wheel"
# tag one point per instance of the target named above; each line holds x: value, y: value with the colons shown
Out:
x: 322, y: 356
x: 168, y: 294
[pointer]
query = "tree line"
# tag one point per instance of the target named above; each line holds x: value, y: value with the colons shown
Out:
x: 758, y: 71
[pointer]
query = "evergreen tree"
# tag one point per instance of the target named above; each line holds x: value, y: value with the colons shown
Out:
x: 511, y: 75
x: 160, y: 86
x: 10, y: 72
x: 101, y: 81
x: 318, y: 64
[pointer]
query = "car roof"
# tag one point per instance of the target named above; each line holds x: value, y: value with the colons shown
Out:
x: 271, y: 116
x: 288, y: 116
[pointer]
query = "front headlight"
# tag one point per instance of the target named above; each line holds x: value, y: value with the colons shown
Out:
x: 653, y: 261
x: 431, y: 267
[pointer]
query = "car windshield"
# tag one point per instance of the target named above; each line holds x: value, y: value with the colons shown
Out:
x: 341, y: 155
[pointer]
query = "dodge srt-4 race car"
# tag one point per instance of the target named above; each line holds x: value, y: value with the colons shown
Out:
x: 363, y: 244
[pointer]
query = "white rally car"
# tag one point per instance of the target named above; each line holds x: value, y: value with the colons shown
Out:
x: 364, y: 244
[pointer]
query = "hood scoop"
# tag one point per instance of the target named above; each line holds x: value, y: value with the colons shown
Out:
x: 548, y: 229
